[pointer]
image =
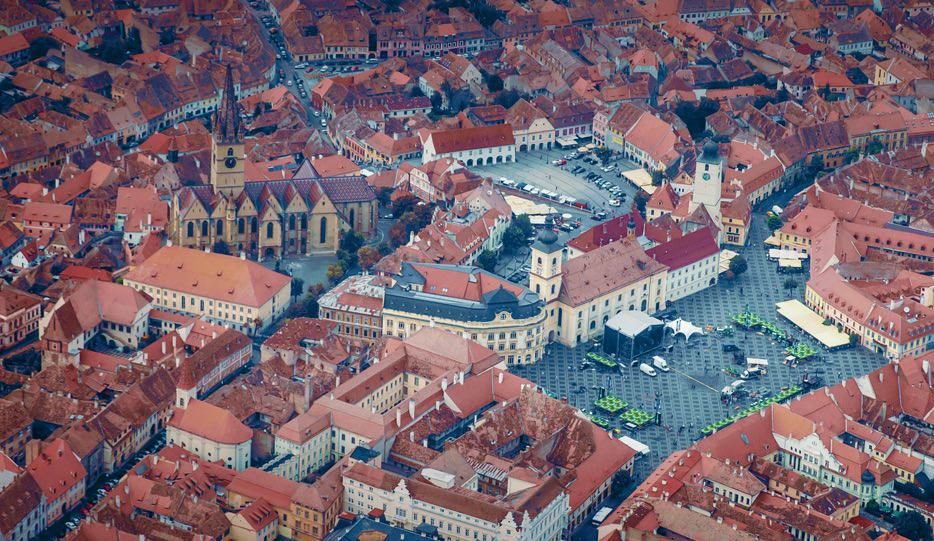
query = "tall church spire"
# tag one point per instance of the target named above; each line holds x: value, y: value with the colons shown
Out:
x: 227, y: 125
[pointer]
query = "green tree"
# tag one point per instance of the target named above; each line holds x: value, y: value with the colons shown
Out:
x: 912, y: 525
x: 494, y: 83
x: 309, y: 305
x: 657, y: 178
x: 874, y: 147
x: 524, y: 224
x: 351, y: 241
x: 790, y: 283
x: 384, y: 196
x: 774, y: 222
x: 513, y: 239
x: 335, y: 272
x: 738, y: 265
x: 346, y: 259
x: 487, y: 260
x: 603, y: 154
x: 367, y: 257
x: 641, y: 199
x: 297, y: 287
x: 404, y: 204
x: 221, y: 247
x: 507, y: 98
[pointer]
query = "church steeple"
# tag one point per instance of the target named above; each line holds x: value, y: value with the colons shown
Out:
x: 228, y: 128
x: 229, y: 156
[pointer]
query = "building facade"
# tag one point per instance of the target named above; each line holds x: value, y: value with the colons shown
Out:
x: 473, y: 303
x: 212, y: 433
x: 583, y: 292
x: 222, y: 289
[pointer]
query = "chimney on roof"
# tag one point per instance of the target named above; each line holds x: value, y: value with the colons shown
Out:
x: 444, y: 384
x: 500, y: 378
x: 306, y: 402
x: 117, y: 501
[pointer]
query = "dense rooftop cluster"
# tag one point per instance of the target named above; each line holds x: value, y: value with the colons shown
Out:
x: 172, y: 174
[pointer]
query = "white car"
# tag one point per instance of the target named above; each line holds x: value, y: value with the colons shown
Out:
x: 614, y: 202
x: 660, y: 363
x: 324, y: 123
x: 647, y: 370
x: 288, y: 82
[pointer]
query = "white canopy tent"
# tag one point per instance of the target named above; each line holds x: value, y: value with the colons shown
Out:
x: 685, y: 328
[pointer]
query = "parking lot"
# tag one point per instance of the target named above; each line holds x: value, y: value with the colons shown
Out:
x: 538, y: 169
x: 688, y: 395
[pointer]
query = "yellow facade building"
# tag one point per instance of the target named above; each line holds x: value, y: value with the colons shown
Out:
x: 583, y: 292
x: 222, y: 289
x: 268, y: 218
x: 468, y: 301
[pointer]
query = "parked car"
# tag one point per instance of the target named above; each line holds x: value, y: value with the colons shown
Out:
x: 614, y: 202
x: 647, y: 370
x: 660, y: 363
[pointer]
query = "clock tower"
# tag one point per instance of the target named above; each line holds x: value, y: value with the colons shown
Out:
x: 227, y: 149
x: 708, y: 183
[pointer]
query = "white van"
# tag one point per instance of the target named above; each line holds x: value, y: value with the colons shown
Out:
x: 647, y: 370
x: 660, y: 363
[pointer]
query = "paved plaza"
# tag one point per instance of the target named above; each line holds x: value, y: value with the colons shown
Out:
x: 689, y: 394
x: 536, y: 168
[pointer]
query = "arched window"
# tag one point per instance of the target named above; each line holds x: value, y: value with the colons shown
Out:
x: 241, y: 225
x: 323, y: 234
x: 304, y: 222
x: 269, y: 230
x: 291, y: 222
x: 554, y: 261
x: 204, y: 228
x: 539, y: 260
x: 191, y: 229
x: 230, y: 152
x: 593, y: 325
x: 253, y: 228
x: 353, y: 222
x: 220, y: 228
x: 645, y: 304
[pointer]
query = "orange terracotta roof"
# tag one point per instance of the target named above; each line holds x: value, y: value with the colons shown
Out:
x: 216, y: 276
x: 210, y: 422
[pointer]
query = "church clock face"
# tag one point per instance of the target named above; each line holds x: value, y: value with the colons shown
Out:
x: 230, y: 162
x: 706, y: 176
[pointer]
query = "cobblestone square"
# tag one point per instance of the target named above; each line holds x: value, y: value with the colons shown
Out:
x: 689, y: 395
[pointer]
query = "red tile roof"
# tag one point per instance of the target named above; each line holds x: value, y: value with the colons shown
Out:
x: 459, y: 140
x: 684, y: 251
x: 210, y: 422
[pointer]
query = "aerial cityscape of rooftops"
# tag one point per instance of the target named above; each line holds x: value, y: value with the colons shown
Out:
x: 466, y: 270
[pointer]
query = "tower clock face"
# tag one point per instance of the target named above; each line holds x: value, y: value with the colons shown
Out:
x: 230, y: 162
x: 706, y: 176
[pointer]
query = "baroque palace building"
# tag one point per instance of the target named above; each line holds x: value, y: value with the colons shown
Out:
x: 266, y: 218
